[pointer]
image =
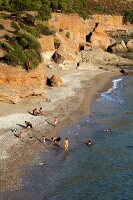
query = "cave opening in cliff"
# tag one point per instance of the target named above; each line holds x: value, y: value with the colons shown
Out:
x: 109, y: 49
x: 88, y: 37
x: 56, y: 57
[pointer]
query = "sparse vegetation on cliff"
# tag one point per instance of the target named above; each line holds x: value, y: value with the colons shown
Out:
x: 20, y: 44
x: 43, y: 8
x: 21, y: 48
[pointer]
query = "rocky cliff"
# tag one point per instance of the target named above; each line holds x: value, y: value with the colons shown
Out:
x: 73, y: 34
x: 18, y: 85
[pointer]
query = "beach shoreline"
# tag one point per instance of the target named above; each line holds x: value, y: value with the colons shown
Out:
x: 68, y: 103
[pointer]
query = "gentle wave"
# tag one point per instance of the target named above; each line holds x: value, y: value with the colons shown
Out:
x: 114, y: 87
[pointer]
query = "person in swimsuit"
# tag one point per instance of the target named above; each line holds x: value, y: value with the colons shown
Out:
x: 35, y: 113
x: 55, y: 121
x: 107, y: 130
x: 28, y: 125
x: 66, y: 144
x: 56, y: 140
x: 19, y: 135
x: 89, y: 142
x: 41, y: 112
x: 44, y: 141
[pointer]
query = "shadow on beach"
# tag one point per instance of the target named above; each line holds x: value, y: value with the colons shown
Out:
x: 49, y: 123
x: 23, y: 126
x: 31, y: 113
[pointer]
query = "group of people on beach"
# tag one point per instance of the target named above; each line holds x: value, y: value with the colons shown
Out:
x: 54, y: 140
x: 40, y: 112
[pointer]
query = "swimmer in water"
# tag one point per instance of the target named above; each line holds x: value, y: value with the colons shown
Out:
x: 89, y: 142
x: 107, y: 130
x: 66, y: 144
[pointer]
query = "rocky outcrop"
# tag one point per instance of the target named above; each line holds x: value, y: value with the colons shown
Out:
x: 18, y: 85
x: 130, y: 45
x: 120, y: 47
x: 55, y: 80
x: 100, y: 57
x: 100, y: 39
x: 72, y: 32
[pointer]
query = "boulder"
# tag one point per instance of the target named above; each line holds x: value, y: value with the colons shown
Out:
x: 119, y: 47
x: 130, y: 45
x: 55, y: 80
x: 100, y: 39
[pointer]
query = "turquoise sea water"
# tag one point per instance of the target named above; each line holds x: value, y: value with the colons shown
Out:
x: 101, y: 171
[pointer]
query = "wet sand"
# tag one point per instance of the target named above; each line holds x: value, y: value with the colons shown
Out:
x: 68, y: 103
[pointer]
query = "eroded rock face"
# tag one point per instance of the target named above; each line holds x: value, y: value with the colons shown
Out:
x: 130, y: 45
x: 119, y: 47
x: 18, y: 85
x: 100, y: 39
x: 100, y: 57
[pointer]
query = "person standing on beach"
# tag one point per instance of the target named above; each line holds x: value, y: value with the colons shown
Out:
x: 55, y: 121
x: 44, y: 141
x: 66, y: 144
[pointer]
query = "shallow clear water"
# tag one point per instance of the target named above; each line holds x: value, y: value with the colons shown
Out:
x: 103, y: 170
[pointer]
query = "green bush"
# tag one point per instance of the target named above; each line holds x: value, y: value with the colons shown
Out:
x: 22, y: 26
x: 15, y: 26
x: 11, y: 59
x: 33, y: 31
x: 44, y: 30
x: 3, y: 15
x: 30, y: 19
x: 21, y: 48
x: 32, y: 55
x: 83, y: 15
x: 33, y: 43
x: 23, y: 42
x: 68, y: 34
x: 6, y: 46
x: 19, y: 53
x: 2, y: 27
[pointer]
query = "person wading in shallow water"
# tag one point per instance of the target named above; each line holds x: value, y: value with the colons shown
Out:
x: 89, y: 142
x: 66, y: 144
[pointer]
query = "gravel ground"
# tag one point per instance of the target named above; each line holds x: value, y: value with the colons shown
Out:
x: 68, y: 103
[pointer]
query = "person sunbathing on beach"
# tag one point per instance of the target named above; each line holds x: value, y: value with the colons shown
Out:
x: 35, y: 113
x: 56, y: 140
x: 41, y: 112
x: 28, y: 125
x: 19, y: 135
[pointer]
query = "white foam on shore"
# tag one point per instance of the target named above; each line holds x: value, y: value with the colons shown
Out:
x: 114, y: 87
